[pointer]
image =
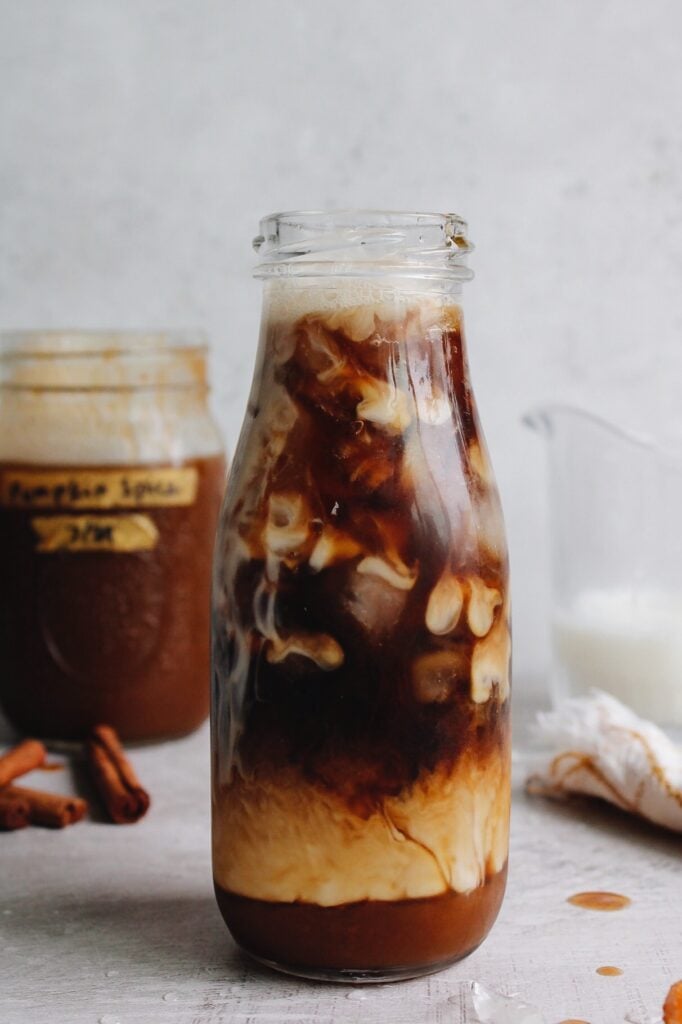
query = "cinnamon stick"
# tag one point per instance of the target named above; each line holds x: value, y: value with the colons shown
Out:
x: 50, y: 809
x: 15, y: 812
x: 118, y: 785
x: 23, y: 758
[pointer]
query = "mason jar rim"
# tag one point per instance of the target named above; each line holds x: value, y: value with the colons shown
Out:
x: 101, y: 360
x: 66, y: 343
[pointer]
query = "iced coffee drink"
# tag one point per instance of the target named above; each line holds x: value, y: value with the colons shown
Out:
x: 361, y: 643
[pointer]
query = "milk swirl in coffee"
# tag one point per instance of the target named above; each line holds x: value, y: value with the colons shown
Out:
x: 361, y: 642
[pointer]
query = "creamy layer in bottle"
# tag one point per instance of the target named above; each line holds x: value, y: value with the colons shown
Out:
x: 361, y: 641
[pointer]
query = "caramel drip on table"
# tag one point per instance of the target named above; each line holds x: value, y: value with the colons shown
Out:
x: 573, y: 1020
x: 672, y: 1007
x: 609, y: 972
x: 599, y: 900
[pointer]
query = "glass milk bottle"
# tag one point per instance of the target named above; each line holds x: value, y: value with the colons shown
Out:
x: 361, y: 641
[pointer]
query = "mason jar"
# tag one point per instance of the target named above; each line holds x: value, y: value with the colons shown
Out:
x: 111, y: 475
x: 361, y: 642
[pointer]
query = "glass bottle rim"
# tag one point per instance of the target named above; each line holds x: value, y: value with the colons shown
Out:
x: 360, y: 242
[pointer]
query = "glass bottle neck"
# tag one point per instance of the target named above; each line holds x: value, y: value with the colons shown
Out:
x: 376, y: 244
x: 386, y: 298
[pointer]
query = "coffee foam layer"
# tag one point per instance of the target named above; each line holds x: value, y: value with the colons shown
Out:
x: 288, y: 840
x: 388, y: 298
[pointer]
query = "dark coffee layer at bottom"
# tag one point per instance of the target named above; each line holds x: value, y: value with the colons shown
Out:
x: 393, y: 936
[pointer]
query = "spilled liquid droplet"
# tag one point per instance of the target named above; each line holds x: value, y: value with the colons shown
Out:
x: 494, y: 1008
x: 356, y: 996
x: 609, y: 972
x: 599, y: 900
x: 170, y: 997
x: 111, y: 974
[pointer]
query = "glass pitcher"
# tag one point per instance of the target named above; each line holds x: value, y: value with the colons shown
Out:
x: 361, y: 638
x: 615, y: 503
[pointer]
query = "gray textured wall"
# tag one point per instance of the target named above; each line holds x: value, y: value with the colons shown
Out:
x: 141, y: 140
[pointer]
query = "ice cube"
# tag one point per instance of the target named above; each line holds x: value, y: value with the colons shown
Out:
x: 286, y: 529
x: 490, y: 663
x: 433, y: 408
x: 322, y: 354
x: 322, y: 649
x: 384, y: 404
x: 492, y: 1007
x: 435, y: 675
x: 333, y: 546
x: 375, y: 604
x: 395, y: 572
x: 356, y: 322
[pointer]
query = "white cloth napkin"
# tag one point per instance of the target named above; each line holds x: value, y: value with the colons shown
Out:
x: 601, y: 748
